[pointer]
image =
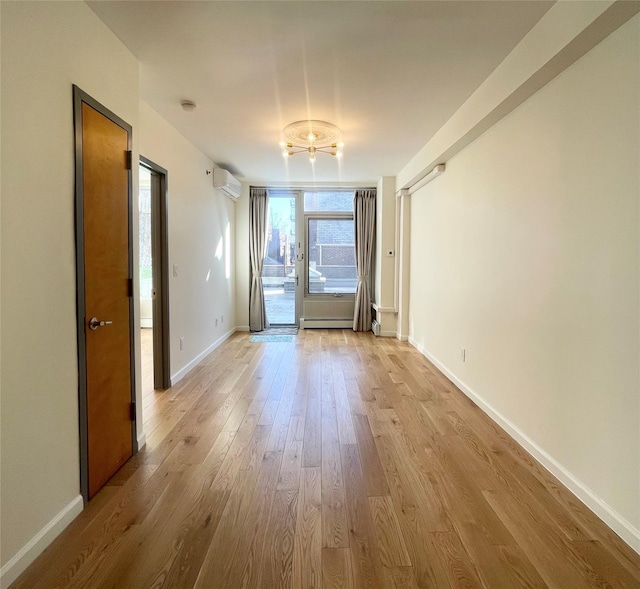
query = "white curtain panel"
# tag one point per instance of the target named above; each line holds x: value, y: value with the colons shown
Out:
x: 364, y: 218
x: 258, y: 218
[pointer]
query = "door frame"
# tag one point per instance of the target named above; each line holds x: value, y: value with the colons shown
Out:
x: 80, y: 97
x: 160, y: 263
x: 298, y: 289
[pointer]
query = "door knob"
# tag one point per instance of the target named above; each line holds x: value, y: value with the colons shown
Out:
x: 94, y: 323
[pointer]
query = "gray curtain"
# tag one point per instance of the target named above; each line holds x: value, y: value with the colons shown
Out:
x: 364, y: 218
x: 258, y: 218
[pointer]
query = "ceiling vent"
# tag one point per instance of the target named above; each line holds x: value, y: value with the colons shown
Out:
x: 224, y: 181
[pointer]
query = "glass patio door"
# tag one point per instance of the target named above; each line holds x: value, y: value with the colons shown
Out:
x: 280, y: 275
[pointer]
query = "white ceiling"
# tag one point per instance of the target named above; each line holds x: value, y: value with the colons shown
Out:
x: 389, y: 74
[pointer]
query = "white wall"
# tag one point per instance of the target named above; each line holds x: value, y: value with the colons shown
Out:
x: 385, y: 266
x: 525, y: 252
x: 46, y: 47
x: 565, y: 33
x: 201, y: 244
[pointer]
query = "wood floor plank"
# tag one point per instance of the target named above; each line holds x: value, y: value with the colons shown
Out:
x: 279, y: 540
x: 393, y: 550
x: 455, y: 566
x: 336, y: 569
x: 307, y: 556
x: 414, y: 478
x: 375, y: 480
x: 400, y: 578
x: 232, y: 463
x: 139, y: 562
x: 337, y: 460
x: 540, y: 550
x: 253, y: 453
x: 495, y: 566
x: 280, y: 427
x: 464, y: 494
x: 194, y: 539
x: 334, y: 510
x: 312, y: 447
x: 289, y: 478
x: 427, y: 570
x: 346, y: 432
x: 249, y: 555
x: 221, y: 552
x: 365, y: 557
x: 355, y: 400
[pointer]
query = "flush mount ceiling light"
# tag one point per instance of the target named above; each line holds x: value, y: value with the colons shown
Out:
x: 188, y: 105
x: 311, y: 137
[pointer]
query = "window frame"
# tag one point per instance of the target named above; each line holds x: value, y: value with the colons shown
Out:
x: 323, y: 216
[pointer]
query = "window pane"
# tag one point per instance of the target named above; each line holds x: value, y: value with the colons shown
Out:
x: 325, y: 201
x: 332, y: 259
x: 278, y: 271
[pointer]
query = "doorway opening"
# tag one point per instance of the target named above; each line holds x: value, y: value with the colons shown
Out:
x: 280, y: 272
x: 153, y: 269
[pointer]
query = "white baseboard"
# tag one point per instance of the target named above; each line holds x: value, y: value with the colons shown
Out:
x: 387, y: 334
x: 142, y: 440
x: 178, y: 376
x: 32, y: 549
x: 618, y: 523
x: 243, y: 328
x: 326, y: 323
x: 404, y: 338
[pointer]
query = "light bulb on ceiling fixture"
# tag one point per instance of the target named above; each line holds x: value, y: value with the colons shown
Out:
x: 310, y: 137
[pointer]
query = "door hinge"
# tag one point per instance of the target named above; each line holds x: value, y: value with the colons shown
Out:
x: 129, y: 160
x: 130, y: 287
x: 132, y: 411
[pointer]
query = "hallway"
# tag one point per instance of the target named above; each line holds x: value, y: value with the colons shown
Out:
x: 336, y: 460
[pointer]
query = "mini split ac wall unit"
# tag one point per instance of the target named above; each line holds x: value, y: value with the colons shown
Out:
x: 225, y: 182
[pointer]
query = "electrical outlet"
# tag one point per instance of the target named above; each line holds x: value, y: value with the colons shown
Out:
x: 175, y: 270
x: 182, y: 343
x: 463, y: 354
x: 221, y: 318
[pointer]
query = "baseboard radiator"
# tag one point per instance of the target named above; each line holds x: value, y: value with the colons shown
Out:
x: 326, y: 323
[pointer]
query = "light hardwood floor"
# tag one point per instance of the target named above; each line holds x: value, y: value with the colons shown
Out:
x: 337, y: 460
x: 146, y: 352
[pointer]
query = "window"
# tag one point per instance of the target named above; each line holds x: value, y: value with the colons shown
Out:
x: 331, y: 260
x: 326, y: 201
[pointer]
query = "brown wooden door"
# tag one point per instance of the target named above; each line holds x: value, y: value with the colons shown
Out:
x: 105, y: 187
